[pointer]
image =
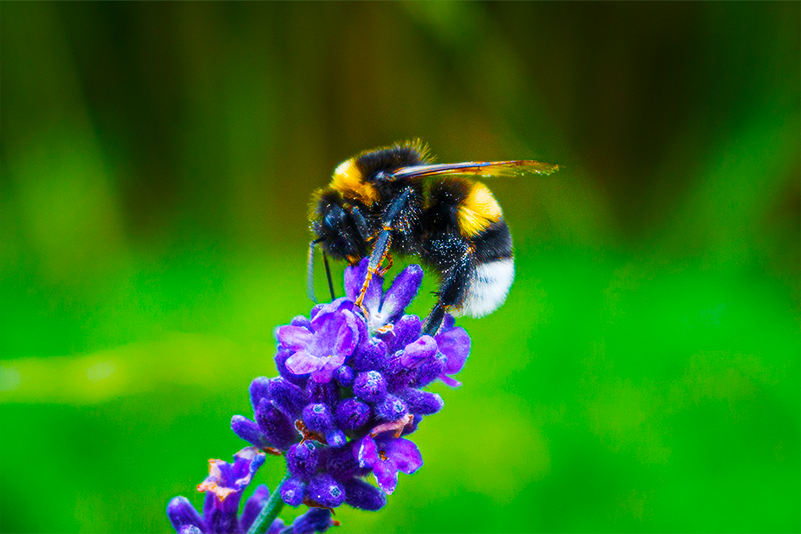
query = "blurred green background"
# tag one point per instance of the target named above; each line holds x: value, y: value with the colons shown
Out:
x: 157, y: 161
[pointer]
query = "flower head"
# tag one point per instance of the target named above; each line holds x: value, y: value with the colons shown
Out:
x: 224, y: 487
x: 386, y: 456
x: 323, y: 345
x: 350, y: 387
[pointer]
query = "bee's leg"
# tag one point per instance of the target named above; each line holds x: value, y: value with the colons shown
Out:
x: 383, y: 240
x: 380, y: 250
x: 390, y: 262
x: 361, y: 223
x: 452, y: 292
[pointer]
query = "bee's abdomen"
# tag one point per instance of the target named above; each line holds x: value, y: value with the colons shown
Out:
x: 493, y: 271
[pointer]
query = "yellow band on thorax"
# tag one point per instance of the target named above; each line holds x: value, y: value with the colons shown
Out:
x: 349, y: 181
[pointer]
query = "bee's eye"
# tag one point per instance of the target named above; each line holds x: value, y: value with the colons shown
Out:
x: 330, y: 221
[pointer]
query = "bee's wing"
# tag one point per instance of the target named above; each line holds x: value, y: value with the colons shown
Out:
x: 477, y: 168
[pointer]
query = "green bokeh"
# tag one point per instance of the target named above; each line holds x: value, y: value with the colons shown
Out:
x: 157, y: 161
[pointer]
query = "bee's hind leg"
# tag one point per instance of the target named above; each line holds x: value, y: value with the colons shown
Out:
x: 451, y: 293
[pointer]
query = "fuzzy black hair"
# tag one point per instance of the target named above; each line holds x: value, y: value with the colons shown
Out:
x: 406, y: 154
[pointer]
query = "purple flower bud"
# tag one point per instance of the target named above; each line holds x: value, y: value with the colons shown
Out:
x: 300, y: 320
x: 315, y: 520
x: 344, y: 376
x: 351, y: 414
x: 275, y: 425
x: 249, y: 431
x: 259, y: 390
x: 342, y: 465
x: 288, y: 397
x: 316, y: 309
x: 364, y: 496
x: 429, y: 370
x: 335, y: 438
x: 398, y: 376
x: 405, y: 330
x: 281, y: 357
x: 302, y: 460
x: 370, y: 355
x: 370, y: 386
x: 391, y: 409
x: 419, y: 351
x: 421, y: 402
x: 326, y: 491
x: 189, y: 529
x: 318, y: 418
x: 323, y: 392
x: 293, y: 491
x: 181, y: 513
x: 253, y: 507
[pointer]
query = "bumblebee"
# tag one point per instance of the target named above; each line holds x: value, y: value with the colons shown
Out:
x: 396, y: 200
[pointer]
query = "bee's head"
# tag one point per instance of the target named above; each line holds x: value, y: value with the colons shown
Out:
x: 335, y: 226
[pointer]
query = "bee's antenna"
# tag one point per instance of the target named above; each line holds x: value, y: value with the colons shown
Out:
x: 310, y: 271
x: 328, y: 274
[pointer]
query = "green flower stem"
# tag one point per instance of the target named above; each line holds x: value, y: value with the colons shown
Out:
x: 270, y: 511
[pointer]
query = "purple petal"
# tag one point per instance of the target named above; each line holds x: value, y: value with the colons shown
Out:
x: 301, y: 320
x: 447, y: 323
x: 419, y: 351
x: 302, y: 362
x: 455, y: 345
x: 386, y: 473
x: 452, y: 382
x: 405, y: 454
x: 354, y: 278
x: 322, y: 375
x: 293, y: 337
x: 403, y: 290
x: 405, y: 330
x: 327, y: 309
x: 326, y: 331
x: 246, y: 463
x: 347, y: 337
x: 367, y: 452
